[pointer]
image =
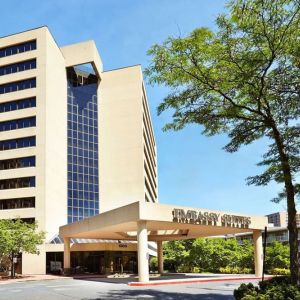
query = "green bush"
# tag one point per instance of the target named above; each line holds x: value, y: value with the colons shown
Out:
x: 196, y: 270
x: 278, y: 288
x: 226, y: 270
x: 280, y: 271
x: 153, y: 264
x: 220, y: 255
x: 245, y: 289
x: 235, y: 270
x: 183, y: 269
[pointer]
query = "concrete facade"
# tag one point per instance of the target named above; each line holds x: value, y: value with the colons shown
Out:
x: 125, y: 173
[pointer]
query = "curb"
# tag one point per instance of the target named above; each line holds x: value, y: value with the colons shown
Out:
x: 195, y: 280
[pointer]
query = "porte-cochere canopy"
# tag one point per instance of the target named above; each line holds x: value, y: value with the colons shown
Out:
x: 145, y: 222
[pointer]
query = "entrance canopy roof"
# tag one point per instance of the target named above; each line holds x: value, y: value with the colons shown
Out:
x: 164, y: 222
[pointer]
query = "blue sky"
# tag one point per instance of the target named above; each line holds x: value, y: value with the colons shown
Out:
x: 193, y: 169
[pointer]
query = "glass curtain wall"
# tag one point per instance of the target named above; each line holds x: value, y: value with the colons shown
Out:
x: 83, y: 182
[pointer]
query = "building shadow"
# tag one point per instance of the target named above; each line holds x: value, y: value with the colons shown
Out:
x: 166, y: 276
x: 158, y: 295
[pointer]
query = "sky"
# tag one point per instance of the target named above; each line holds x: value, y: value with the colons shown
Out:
x: 193, y: 170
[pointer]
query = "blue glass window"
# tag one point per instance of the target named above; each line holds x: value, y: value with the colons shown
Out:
x: 16, y: 105
x: 82, y: 121
x: 15, y: 163
x: 18, y: 67
x: 17, y: 143
x: 18, y: 86
x: 17, y: 124
x: 16, y: 49
x: 17, y: 183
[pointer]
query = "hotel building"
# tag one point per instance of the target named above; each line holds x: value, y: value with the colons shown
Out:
x: 70, y: 135
x: 78, y: 156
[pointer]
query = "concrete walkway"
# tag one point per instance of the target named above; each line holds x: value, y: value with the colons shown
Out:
x: 132, y: 280
x: 25, y: 278
x: 198, y: 278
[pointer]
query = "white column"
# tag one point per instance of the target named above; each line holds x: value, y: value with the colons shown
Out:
x: 160, y: 257
x: 143, y: 256
x: 258, y: 253
x: 67, y: 255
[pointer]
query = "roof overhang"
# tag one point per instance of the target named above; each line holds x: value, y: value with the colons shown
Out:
x: 164, y: 222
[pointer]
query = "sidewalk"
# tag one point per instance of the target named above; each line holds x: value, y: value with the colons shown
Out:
x: 31, y: 278
x: 198, y: 279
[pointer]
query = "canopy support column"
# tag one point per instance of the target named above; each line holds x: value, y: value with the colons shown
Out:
x: 143, y: 255
x: 160, y: 257
x: 67, y: 255
x: 258, y: 252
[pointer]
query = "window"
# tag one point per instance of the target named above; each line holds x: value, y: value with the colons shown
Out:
x: 16, y: 49
x: 17, y: 203
x: 83, y: 189
x: 16, y: 163
x: 18, y: 86
x: 17, y: 143
x: 17, y: 183
x: 18, y: 67
x: 17, y: 124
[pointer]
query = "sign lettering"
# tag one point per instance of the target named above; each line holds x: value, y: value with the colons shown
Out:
x: 209, y: 218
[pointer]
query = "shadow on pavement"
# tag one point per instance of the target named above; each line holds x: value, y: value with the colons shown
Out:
x: 158, y: 295
x: 134, y: 278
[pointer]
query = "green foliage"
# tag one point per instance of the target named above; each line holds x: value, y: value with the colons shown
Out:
x: 245, y: 289
x: 224, y: 256
x: 208, y: 255
x: 279, y: 288
x: 277, y: 256
x: 17, y: 236
x: 176, y: 254
x: 242, y: 80
x: 153, y: 263
x: 235, y: 270
x: 280, y: 271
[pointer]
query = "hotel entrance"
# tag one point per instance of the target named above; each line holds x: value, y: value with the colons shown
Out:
x: 94, y: 262
x: 125, y: 262
x: 153, y: 222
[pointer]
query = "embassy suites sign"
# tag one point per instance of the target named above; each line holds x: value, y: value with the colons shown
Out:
x: 209, y: 218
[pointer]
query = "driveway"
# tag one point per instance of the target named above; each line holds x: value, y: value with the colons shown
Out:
x: 96, y: 289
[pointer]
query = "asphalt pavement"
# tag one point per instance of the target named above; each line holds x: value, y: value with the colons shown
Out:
x: 96, y: 289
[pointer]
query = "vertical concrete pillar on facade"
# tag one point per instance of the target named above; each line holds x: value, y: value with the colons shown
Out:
x: 160, y: 257
x: 258, y: 252
x: 143, y: 255
x: 67, y: 255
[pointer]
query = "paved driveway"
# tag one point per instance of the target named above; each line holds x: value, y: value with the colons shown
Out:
x: 96, y: 289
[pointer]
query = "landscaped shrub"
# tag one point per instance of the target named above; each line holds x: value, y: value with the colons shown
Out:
x: 153, y: 264
x: 235, y: 270
x: 184, y: 269
x: 244, y: 290
x: 280, y: 271
x: 278, y: 288
x: 196, y: 270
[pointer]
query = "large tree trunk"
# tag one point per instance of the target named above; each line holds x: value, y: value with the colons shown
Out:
x: 291, y: 208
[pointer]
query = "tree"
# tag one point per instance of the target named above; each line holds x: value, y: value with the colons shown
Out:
x: 17, y: 236
x: 242, y: 80
x: 177, y: 254
x: 277, y: 256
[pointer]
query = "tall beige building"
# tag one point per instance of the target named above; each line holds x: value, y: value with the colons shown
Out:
x: 74, y: 141
x: 280, y: 219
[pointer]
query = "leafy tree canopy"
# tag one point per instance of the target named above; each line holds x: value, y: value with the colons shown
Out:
x: 17, y: 236
x: 242, y: 80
